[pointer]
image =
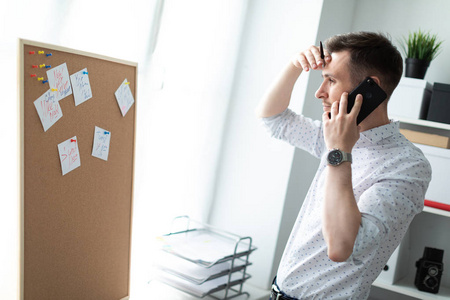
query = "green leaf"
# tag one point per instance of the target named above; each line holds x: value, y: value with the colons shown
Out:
x: 421, y: 45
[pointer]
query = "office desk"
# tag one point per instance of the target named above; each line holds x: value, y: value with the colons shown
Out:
x: 160, y: 291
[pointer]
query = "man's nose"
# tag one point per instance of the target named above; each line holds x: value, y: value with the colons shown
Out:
x: 320, y: 93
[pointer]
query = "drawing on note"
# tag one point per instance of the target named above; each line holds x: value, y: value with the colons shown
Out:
x: 124, y: 97
x: 69, y: 155
x: 81, y: 86
x: 59, y: 81
x: 48, y: 109
x: 100, y: 148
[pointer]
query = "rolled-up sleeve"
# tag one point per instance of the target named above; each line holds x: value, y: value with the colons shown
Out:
x: 297, y: 130
x: 388, y: 207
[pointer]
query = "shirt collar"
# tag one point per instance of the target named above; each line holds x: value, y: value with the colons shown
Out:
x: 377, y: 134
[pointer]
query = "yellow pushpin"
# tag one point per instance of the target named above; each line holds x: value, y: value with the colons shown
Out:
x: 40, y: 78
x: 42, y: 66
x: 54, y: 90
x: 41, y: 52
x: 126, y: 83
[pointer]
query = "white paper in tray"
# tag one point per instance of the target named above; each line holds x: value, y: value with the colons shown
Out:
x: 193, y: 272
x: 200, y: 290
x: 203, y: 246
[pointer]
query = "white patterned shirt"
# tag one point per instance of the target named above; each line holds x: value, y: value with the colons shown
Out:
x: 390, y: 177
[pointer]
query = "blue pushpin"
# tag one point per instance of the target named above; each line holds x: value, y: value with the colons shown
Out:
x: 48, y: 66
x: 106, y: 132
x: 45, y: 81
x: 84, y: 72
x: 48, y: 54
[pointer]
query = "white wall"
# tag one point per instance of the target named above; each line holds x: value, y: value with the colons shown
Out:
x: 399, y: 17
x: 254, y: 170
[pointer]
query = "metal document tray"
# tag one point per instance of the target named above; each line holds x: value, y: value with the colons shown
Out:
x: 207, y: 288
x: 205, y: 260
x: 195, y: 273
x: 205, y: 247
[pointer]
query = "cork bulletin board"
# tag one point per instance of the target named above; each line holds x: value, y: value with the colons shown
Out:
x: 76, y: 227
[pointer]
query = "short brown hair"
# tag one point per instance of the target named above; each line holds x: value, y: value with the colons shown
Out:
x: 371, y: 54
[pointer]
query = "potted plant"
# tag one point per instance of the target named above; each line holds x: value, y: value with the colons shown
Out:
x: 419, y: 48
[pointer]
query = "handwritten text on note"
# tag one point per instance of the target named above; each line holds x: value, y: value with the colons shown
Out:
x: 81, y: 86
x: 48, y: 109
x: 69, y: 155
x: 58, y: 79
x: 100, y: 148
x: 124, y: 97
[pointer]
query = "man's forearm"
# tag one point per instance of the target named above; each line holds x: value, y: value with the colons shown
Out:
x: 278, y: 97
x: 341, y: 216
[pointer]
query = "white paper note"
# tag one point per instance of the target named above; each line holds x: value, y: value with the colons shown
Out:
x: 124, y: 97
x: 48, y: 109
x: 100, y: 148
x: 69, y: 155
x: 59, y: 81
x: 81, y: 86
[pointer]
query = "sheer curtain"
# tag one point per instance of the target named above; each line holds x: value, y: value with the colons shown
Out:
x: 185, y: 82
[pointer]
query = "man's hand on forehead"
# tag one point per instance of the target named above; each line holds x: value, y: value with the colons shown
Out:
x: 311, y: 59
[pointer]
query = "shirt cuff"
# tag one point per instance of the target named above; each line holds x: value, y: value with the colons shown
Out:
x: 370, y: 234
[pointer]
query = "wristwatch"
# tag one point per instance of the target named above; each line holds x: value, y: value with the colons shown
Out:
x: 336, y: 157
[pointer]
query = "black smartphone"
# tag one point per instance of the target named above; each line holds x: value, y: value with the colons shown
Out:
x: 372, y: 94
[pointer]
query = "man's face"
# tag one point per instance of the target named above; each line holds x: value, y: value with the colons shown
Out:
x: 336, y: 80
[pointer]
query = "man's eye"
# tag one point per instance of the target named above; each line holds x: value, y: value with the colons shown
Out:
x: 330, y: 80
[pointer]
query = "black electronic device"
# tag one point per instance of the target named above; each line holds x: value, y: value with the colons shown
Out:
x: 372, y: 94
x: 429, y: 270
x: 439, y: 109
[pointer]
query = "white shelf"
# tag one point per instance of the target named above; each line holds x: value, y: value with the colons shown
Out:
x: 406, y: 286
x: 424, y: 123
x: 436, y: 211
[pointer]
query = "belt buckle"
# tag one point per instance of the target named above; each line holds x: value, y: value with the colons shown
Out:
x: 276, y: 291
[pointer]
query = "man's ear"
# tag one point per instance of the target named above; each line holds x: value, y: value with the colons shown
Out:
x: 376, y: 79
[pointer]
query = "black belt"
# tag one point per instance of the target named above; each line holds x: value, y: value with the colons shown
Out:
x: 276, y: 294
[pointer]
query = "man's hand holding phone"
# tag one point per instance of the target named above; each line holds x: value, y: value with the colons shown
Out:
x: 367, y: 89
x: 340, y: 129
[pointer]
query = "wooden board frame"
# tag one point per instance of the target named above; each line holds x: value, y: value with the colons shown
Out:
x: 75, y: 229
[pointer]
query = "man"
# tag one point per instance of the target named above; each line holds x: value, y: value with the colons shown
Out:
x: 357, y: 209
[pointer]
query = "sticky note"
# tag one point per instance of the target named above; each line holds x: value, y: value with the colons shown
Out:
x: 58, y: 79
x: 124, y: 97
x: 48, y: 109
x: 69, y: 155
x: 81, y: 86
x: 102, y: 138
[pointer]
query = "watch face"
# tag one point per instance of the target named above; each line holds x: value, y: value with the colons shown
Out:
x: 335, y: 157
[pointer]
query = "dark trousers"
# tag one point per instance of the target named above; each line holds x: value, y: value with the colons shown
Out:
x: 276, y: 291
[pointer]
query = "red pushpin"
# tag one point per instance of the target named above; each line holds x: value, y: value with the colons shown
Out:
x: 33, y: 75
x: 31, y: 52
x: 35, y: 66
x: 72, y: 140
